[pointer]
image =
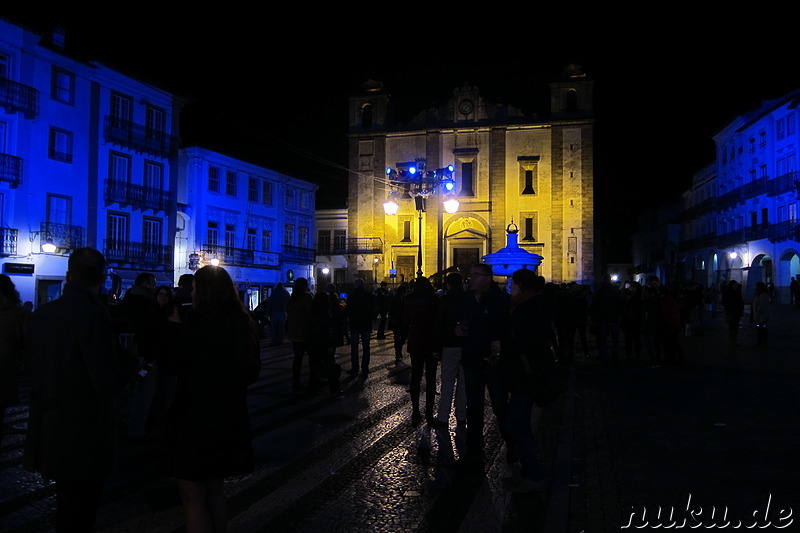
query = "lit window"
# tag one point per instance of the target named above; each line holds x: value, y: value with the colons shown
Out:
x: 60, y: 147
x: 213, y: 179
x: 62, y: 88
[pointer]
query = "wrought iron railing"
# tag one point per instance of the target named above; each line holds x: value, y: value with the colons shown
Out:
x: 140, y: 253
x: 11, y: 170
x: 137, y: 196
x: 16, y: 97
x: 139, y: 137
x: 298, y: 254
x: 65, y: 236
x: 353, y: 245
x: 241, y: 256
x: 8, y: 241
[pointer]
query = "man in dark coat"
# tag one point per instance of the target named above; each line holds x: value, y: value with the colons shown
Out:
x: 360, y: 310
x: 484, y: 313
x: 140, y: 309
x: 382, y: 301
x: 77, y: 375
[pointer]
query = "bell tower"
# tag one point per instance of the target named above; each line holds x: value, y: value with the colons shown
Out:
x: 571, y: 95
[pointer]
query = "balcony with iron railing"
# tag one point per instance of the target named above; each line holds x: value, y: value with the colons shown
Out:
x: 352, y: 246
x: 16, y: 97
x: 298, y: 254
x: 138, y: 253
x: 137, y: 196
x: 11, y: 170
x: 240, y: 257
x: 65, y: 237
x: 8, y: 241
x: 139, y: 137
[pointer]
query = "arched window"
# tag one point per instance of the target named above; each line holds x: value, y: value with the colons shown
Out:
x: 572, y: 100
x: 366, y: 116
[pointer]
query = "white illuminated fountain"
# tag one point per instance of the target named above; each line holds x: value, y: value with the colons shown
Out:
x: 511, y: 258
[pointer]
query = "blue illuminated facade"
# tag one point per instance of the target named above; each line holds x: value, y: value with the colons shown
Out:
x: 257, y: 223
x: 86, y: 159
x: 739, y: 219
x: 90, y: 157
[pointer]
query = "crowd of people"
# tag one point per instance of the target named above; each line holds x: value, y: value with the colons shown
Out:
x: 101, y: 369
x: 185, y: 356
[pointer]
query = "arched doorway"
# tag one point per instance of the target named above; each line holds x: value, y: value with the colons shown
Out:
x: 465, y: 242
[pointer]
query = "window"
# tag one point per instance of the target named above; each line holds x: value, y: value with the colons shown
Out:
x: 212, y: 234
x: 467, y: 178
x: 230, y: 183
x: 302, y: 237
x: 121, y: 111
x: 151, y: 238
x: 62, y: 86
x: 529, y: 229
x: 213, y: 179
x: 764, y: 218
x: 119, y: 168
x: 406, y: 231
x: 266, y: 240
x: 289, y: 197
x: 529, y: 181
x: 252, y: 190
x: 153, y: 176
x: 230, y: 238
x: 251, y: 239
x: 5, y: 66
x: 59, y: 209
x: 288, y: 234
x: 323, y: 241
x: 60, y: 145
x: 116, y: 234
x: 366, y: 116
x: 340, y: 240
x: 266, y: 192
x: 528, y: 174
x: 155, y: 123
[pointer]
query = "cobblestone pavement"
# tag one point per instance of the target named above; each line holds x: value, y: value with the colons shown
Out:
x: 721, y: 429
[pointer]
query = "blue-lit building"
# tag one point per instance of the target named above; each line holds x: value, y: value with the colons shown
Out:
x: 739, y: 218
x: 87, y: 158
x: 90, y: 157
x: 257, y: 223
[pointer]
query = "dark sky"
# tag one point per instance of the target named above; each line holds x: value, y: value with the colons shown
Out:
x: 276, y: 86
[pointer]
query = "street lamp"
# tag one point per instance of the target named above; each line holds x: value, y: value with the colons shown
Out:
x: 421, y: 184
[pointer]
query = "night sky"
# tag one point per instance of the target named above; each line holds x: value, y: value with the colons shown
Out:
x: 272, y: 89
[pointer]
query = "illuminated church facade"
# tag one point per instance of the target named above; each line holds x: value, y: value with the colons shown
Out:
x: 506, y: 167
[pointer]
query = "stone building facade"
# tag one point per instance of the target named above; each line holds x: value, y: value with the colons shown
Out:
x: 535, y: 171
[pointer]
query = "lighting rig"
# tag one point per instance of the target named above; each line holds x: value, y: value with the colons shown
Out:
x: 420, y: 183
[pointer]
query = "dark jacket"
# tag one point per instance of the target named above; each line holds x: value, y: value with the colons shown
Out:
x: 526, y: 347
x: 485, y: 318
x: 360, y: 310
x: 208, y: 425
x: 77, y: 375
x: 299, y: 316
x: 448, y: 314
x: 420, y: 315
x: 12, y: 332
x: 140, y: 309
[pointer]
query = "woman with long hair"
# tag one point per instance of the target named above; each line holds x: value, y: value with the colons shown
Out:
x: 215, y: 356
